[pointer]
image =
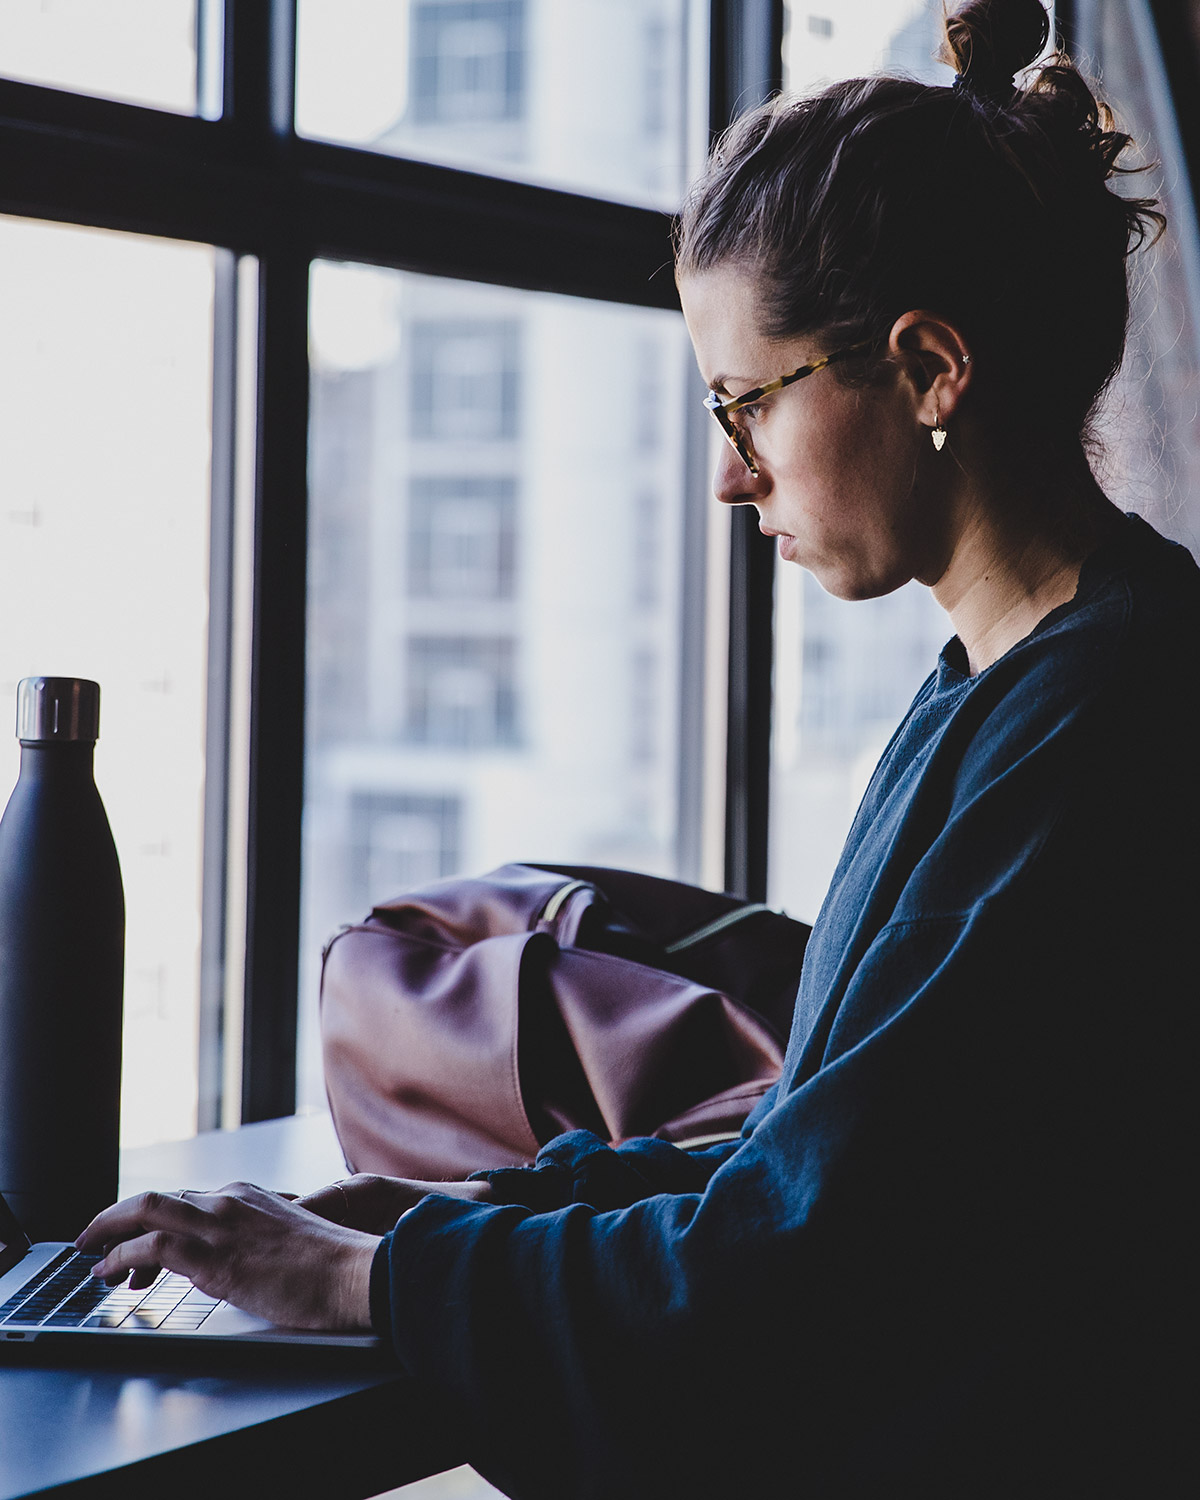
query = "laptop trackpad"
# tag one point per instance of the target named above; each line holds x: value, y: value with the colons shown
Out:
x: 230, y: 1322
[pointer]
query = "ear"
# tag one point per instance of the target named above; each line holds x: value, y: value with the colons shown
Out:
x: 936, y: 359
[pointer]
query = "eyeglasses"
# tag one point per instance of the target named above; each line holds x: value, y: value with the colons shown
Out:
x: 725, y: 411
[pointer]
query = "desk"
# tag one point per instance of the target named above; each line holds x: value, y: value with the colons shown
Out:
x: 121, y: 1429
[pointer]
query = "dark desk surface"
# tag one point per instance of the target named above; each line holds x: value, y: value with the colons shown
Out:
x: 121, y: 1428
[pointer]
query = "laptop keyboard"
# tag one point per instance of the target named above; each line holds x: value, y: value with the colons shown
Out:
x: 66, y: 1296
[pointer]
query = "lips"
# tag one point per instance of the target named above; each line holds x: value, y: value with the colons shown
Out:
x: 786, y: 542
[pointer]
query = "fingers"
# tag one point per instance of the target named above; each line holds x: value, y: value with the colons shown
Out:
x: 335, y: 1202
x: 134, y: 1216
x: 147, y: 1254
x: 140, y: 1236
x: 259, y: 1250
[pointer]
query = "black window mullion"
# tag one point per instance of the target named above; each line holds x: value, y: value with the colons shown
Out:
x: 276, y: 774
x: 259, y: 101
x: 746, y: 68
x: 239, y: 182
x: 260, y: 67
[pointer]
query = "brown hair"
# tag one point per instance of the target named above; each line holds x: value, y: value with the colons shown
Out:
x: 986, y: 202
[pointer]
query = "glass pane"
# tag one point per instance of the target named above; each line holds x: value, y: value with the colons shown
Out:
x: 1149, y: 455
x: 495, y: 591
x: 105, y: 398
x: 586, y: 94
x: 844, y: 672
x: 138, y: 51
x: 829, y: 39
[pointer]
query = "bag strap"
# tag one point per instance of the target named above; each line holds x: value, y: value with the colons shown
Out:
x: 555, y: 904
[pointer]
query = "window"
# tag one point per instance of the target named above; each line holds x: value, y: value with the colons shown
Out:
x: 462, y: 538
x: 598, y: 96
x: 409, y: 674
x: 495, y: 619
x: 412, y: 433
x: 105, y: 394
x: 400, y: 841
x: 464, y: 381
x: 468, y: 60
x: 142, y: 51
x: 461, y: 692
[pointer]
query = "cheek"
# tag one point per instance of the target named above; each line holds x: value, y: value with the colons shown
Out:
x: 859, y: 509
x: 863, y: 452
x: 887, y: 463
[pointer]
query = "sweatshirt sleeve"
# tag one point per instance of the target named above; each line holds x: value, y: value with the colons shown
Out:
x: 579, y: 1167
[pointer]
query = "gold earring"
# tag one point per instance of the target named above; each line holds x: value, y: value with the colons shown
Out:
x: 939, y: 432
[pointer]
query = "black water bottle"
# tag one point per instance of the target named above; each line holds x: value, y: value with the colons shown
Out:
x: 62, y: 961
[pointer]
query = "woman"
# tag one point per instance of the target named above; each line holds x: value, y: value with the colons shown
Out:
x: 944, y: 1258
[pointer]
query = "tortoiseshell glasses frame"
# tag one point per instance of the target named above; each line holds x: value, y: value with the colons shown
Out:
x: 724, y: 411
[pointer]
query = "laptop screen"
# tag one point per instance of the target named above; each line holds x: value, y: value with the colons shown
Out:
x: 13, y: 1241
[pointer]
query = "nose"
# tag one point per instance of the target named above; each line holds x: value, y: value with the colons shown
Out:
x: 733, y: 483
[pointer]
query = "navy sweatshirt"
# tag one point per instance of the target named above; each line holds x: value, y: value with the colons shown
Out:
x: 947, y: 1257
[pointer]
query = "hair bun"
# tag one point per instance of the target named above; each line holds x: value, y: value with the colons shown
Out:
x: 989, y: 41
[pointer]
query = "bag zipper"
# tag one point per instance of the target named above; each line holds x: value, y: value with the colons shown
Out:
x: 710, y: 929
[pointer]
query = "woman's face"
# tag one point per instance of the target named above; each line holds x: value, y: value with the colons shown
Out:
x: 838, y: 466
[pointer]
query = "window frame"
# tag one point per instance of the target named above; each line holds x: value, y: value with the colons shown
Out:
x: 246, y: 183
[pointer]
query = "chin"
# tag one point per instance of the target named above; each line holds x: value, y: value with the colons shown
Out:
x: 851, y: 583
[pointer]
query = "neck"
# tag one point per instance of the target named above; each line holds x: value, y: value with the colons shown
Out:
x: 1014, y: 554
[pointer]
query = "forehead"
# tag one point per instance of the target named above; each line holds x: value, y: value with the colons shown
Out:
x: 721, y: 308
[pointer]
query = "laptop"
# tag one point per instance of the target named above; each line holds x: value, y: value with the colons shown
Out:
x: 48, y: 1298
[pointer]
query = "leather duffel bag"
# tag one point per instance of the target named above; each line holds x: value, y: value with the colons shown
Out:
x: 467, y: 1023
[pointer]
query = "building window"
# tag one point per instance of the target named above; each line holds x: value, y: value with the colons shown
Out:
x: 462, y: 538
x: 399, y: 840
x: 462, y: 691
x: 464, y: 381
x: 468, y: 60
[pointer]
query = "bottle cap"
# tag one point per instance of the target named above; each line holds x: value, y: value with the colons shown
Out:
x: 55, y: 709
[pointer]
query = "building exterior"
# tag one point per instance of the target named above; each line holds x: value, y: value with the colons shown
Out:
x: 496, y: 493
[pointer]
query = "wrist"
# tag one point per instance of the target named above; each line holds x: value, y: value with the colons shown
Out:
x: 355, y: 1281
x: 473, y: 1190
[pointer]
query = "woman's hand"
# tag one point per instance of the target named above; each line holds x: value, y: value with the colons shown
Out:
x: 372, y: 1203
x: 259, y: 1250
